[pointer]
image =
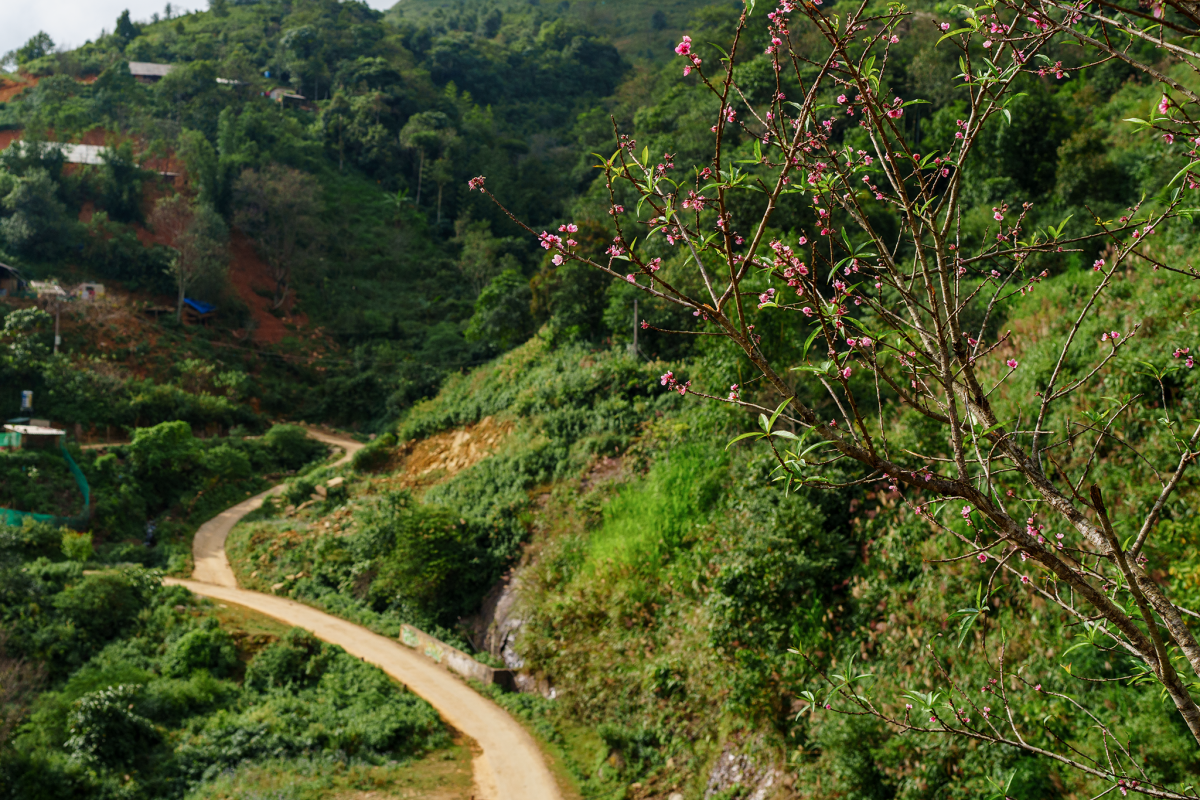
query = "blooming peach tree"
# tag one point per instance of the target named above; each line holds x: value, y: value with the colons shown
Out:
x: 898, y: 296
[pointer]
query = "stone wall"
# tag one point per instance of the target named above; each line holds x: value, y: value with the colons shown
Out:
x: 455, y: 659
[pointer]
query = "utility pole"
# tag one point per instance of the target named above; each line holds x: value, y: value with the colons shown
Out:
x: 57, y: 313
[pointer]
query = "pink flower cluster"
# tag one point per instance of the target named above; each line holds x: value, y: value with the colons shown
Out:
x: 1185, y: 353
x: 668, y: 380
x: 1110, y: 335
x: 684, y: 48
x: 476, y: 183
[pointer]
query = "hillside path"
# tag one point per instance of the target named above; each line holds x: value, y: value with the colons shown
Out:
x: 511, y: 766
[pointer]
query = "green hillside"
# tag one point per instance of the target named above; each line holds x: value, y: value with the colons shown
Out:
x: 900, y: 504
x: 643, y: 32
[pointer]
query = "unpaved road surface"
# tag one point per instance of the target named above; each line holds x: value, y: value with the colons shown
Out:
x: 511, y: 767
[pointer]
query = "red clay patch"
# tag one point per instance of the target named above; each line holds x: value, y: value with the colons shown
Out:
x: 248, y: 272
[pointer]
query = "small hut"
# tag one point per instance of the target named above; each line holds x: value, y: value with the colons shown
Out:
x: 11, y: 281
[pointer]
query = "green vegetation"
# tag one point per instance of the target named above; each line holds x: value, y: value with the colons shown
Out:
x: 130, y: 688
x: 674, y: 602
x: 150, y: 495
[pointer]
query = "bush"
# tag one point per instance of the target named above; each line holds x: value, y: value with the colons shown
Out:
x: 297, y: 659
x: 375, y: 455
x: 105, y: 730
x: 227, y: 464
x: 299, y: 491
x: 207, y: 647
x: 77, y: 546
x: 292, y: 447
x: 102, y: 605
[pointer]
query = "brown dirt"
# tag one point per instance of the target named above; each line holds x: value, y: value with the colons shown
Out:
x: 248, y: 272
x: 422, y: 463
x: 9, y: 89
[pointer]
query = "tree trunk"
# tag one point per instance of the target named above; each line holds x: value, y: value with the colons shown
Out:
x: 420, y: 175
x: 179, y: 303
x: 439, y: 205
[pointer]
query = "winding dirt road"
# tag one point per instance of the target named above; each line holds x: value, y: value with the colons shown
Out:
x: 511, y: 767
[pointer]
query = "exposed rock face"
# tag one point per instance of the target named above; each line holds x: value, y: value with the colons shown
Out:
x: 733, y: 768
x: 496, y: 627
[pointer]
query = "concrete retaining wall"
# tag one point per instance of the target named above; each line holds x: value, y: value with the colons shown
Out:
x: 456, y: 660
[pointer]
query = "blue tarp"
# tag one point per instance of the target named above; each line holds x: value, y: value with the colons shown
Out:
x: 198, y: 307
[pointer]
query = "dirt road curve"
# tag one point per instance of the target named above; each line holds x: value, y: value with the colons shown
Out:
x: 511, y: 766
x: 208, y: 547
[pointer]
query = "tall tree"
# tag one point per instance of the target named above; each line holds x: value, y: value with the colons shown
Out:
x: 277, y: 207
x: 199, y: 238
x: 428, y: 133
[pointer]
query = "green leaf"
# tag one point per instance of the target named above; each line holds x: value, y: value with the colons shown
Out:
x: 808, y: 343
x: 755, y: 434
x: 954, y: 32
x: 778, y: 411
x: 786, y: 435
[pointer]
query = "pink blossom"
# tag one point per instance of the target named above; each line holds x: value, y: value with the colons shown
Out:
x: 476, y: 183
x: 1012, y: 363
x: 987, y: 43
x: 1164, y: 105
x: 982, y: 557
x: 654, y: 264
x: 1024, y: 579
x: 945, y: 26
x: 1098, y: 264
x: 841, y: 98
x: 895, y: 40
x: 630, y: 278
x: 806, y: 311
x: 558, y: 259
x: 684, y: 47
x: 846, y: 373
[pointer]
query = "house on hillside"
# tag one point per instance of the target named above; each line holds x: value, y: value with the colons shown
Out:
x: 11, y: 281
x: 146, y: 72
x: 88, y: 291
x: 197, y: 312
x: 48, y: 290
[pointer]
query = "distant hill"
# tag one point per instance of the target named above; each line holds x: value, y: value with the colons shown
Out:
x: 643, y: 32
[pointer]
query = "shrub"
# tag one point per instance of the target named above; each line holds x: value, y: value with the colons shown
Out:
x: 297, y: 659
x: 375, y: 455
x: 292, y: 447
x: 227, y: 464
x: 207, y: 647
x: 299, y: 490
x: 102, y: 605
x: 105, y: 730
x: 77, y: 546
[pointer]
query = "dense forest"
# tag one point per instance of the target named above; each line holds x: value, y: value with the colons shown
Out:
x: 699, y: 611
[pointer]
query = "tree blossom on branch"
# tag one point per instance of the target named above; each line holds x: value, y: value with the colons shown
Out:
x: 902, y: 322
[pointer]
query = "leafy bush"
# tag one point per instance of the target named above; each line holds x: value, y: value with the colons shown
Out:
x: 105, y: 730
x: 77, y: 546
x: 292, y: 446
x: 375, y: 455
x: 297, y: 659
x: 207, y: 647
